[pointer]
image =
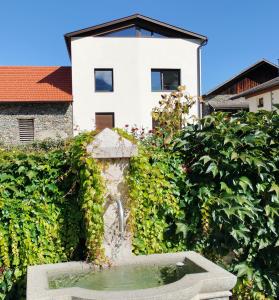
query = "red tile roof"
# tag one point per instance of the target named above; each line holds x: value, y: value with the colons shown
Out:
x: 35, y: 84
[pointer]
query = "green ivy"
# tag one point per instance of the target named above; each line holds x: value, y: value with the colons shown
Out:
x: 214, y: 189
x: 231, y: 196
x: 154, y: 201
x: 51, y: 208
x: 90, y: 195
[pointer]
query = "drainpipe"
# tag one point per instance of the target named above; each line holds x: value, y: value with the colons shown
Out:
x: 199, y: 76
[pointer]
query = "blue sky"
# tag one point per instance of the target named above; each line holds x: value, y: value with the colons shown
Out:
x: 240, y: 32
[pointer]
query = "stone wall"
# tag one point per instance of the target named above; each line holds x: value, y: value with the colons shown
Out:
x: 51, y: 120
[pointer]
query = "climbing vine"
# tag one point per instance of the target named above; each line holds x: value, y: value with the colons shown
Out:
x: 154, y: 194
x: 51, y: 198
x: 91, y: 194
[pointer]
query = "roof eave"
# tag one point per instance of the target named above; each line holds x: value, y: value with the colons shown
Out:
x: 35, y: 101
x: 210, y: 92
x: 203, y: 39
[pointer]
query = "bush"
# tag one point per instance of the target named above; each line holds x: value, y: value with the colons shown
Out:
x: 231, y: 194
x: 154, y: 192
x: 214, y: 189
x: 50, y: 209
x: 211, y: 187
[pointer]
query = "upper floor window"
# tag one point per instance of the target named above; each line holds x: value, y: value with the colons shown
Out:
x: 261, y: 102
x: 148, y: 33
x: 103, y: 80
x: 133, y: 31
x: 126, y: 32
x: 164, y: 79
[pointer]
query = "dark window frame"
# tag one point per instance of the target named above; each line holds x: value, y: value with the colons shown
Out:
x: 161, y: 79
x: 105, y: 113
x: 112, y: 80
x: 261, y: 102
x: 137, y: 32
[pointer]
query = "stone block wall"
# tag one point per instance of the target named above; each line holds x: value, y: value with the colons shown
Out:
x: 51, y: 120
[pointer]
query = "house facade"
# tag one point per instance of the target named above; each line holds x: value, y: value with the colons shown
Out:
x: 121, y: 68
x: 262, y: 97
x: 118, y: 72
x: 224, y: 96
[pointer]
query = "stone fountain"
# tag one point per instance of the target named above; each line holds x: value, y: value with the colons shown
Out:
x: 209, y: 281
x: 114, y: 153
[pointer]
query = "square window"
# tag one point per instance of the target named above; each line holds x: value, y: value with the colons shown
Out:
x: 103, y: 80
x: 165, y: 79
x: 104, y: 120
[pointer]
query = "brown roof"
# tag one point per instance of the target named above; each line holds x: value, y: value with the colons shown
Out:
x: 273, y: 83
x: 35, y: 84
x: 137, y: 20
x: 263, y: 62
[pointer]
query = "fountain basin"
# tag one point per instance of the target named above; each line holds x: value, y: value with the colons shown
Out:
x: 201, y: 279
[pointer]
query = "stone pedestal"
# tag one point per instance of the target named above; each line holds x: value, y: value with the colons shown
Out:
x: 114, y: 152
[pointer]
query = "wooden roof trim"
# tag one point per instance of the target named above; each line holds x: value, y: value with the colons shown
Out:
x: 238, y: 75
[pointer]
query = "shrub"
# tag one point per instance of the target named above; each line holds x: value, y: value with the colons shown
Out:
x: 154, y: 194
x: 214, y: 189
x: 51, y: 199
x: 231, y: 195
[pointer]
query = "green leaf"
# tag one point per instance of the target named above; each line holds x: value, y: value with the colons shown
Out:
x: 205, y: 159
x: 31, y: 174
x: 212, y: 168
x: 274, y: 188
x: 244, y: 182
x: 182, y: 228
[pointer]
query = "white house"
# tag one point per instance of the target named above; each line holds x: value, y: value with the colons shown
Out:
x: 120, y: 69
x: 264, y: 96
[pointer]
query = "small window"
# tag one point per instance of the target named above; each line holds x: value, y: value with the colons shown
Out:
x: 145, y: 32
x: 126, y: 32
x: 164, y: 80
x: 103, y: 80
x: 148, y: 33
x: 132, y: 31
x: 104, y: 120
x: 261, y: 102
x: 26, y: 130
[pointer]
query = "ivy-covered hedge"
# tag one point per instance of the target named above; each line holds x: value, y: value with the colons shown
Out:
x: 212, y: 187
x: 232, y: 195
x: 154, y: 191
x: 215, y: 189
x: 50, y: 209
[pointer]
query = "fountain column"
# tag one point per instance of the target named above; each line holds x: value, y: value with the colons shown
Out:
x: 114, y: 153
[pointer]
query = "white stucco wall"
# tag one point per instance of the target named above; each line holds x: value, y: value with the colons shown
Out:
x: 132, y: 60
x: 268, y: 99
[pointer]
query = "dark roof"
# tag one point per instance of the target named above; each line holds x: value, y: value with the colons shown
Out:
x: 35, y: 84
x: 261, y: 87
x: 241, y: 74
x: 224, y: 102
x: 138, y: 20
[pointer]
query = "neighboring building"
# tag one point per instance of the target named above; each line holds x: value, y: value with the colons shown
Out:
x: 222, y: 97
x: 121, y: 68
x: 35, y: 103
x: 264, y: 96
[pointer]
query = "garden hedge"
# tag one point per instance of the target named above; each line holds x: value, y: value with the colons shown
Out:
x: 213, y: 188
